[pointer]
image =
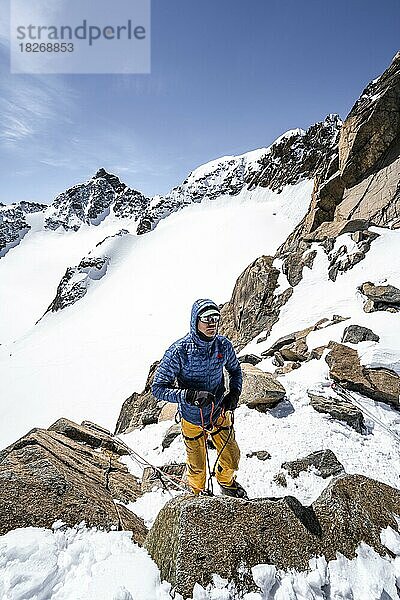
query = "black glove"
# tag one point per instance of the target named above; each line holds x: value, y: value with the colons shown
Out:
x: 199, y: 398
x: 231, y: 400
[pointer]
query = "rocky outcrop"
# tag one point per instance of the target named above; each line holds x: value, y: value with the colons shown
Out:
x: 68, y: 472
x: 354, y: 334
x: 339, y: 409
x: 91, y: 202
x: 360, y: 184
x: 140, y: 409
x: 253, y: 307
x: 324, y: 462
x: 78, y: 279
x: 260, y: 390
x: 185, y: 540
x: 13, y: 223
x: 345, y: 368
x: 380, y: 297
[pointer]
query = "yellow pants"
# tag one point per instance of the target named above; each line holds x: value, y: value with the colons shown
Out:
x: 228, y: 462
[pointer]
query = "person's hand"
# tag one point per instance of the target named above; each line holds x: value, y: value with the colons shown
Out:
x: 231, y: 400
x: 199, y: 398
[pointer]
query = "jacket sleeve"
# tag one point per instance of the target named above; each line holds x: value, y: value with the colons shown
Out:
x: 232, y: 365
x: 164, y: 378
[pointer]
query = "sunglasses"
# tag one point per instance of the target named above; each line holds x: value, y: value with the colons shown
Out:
x: 210, y: 319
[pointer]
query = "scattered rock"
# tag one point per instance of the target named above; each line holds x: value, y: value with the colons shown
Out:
x: 154, y: 479
x: 339, y: 409
x: 252, y: 359
x: 324, y: 461
x: 287, y: 368
x: 316, y: 353
x: 67, y: 472
x: 280, y: 479
x: 185, y: 540
x: 298, y: 351
x: 345, y: 368
x: 260, y: 454
x: 260, y: 389
x: 355, y: 334
x: 345, y: 258
x: 172, y: 433
x: 380, y: 297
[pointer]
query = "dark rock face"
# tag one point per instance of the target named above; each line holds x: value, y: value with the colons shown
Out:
x: 185, y: 540
x: 136, y: 409
x: 343, y: 260
x: 253, y: 306
x: 13, y: 224
x: 354, y: 334
x: 345, y: 368
x: 324, y: 461
x: 68, y: 472
x: 339, y: 409
x: 252, y: 359
x: 92, y: 201
x: 380, y: 297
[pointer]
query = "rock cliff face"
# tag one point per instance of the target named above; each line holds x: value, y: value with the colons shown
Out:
x: 362, y: 181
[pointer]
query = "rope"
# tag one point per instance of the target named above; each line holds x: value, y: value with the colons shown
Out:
x: 210, y: 488
x: 142, y: 462
x: 339, y: 389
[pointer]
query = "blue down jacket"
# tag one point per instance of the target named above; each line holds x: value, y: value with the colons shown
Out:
x: 198, y: 365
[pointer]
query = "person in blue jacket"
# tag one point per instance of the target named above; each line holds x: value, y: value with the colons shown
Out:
x: 191, y: 374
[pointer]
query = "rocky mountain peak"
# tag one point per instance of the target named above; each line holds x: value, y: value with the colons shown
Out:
x: 91, y: 202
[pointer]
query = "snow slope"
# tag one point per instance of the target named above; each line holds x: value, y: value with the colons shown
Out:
x: 84, y: 361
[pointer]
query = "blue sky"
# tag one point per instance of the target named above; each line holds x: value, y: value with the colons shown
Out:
x: 227, y: 77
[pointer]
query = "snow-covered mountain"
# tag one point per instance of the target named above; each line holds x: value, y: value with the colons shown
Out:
x: 298, y: 246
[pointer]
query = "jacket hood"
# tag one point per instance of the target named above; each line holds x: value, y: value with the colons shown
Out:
x: 197, y: 307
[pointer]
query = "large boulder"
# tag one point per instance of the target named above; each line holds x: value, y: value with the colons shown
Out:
x: 339, y: 409
x: 354, y: 334
x: 194, y: 537
x: 67, y: 472
x: 345, y: 368
x: 324, y: 461
x: 261, y: 390
x: 380, y: 297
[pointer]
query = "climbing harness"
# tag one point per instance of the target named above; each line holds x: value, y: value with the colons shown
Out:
x: 347, y: 395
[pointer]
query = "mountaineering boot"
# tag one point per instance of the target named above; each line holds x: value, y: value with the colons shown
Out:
x: 235, y: 490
